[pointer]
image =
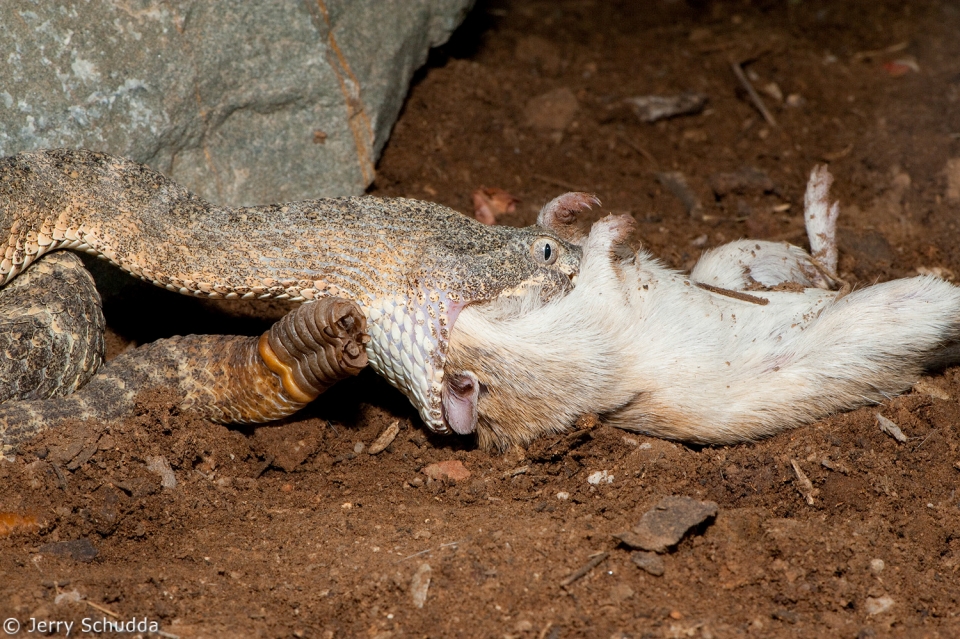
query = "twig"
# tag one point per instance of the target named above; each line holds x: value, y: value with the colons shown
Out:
x: 639, y: 149
x: 61, y: 480
x: 737, y: 295
x: 263, y: 467
x: 804, y: 485
x: 555, y: 182
x: 925, y: 439
x: 581, y: 572
x: 838, y: 155
x: 428, y: 550
x: 754, y: 96
x: 105, y: 611
x: 876, y: 53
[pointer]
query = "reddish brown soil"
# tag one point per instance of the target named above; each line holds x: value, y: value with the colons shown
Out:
x: 286, y: 531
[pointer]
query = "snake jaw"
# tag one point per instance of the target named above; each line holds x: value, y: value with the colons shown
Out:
x: 409, y: 335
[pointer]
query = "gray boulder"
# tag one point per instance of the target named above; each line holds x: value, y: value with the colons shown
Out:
x: 241, y: 102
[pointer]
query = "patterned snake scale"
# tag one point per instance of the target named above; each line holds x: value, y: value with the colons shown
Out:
x: 411, y: 266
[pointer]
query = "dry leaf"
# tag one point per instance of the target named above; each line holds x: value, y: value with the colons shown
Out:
x: 491, y: 203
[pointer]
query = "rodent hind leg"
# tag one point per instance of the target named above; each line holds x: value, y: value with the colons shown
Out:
x: 225, y: 378
x: 757, y: 264
x: 752, y: 264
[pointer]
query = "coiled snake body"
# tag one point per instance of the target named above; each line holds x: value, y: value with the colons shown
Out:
x: 410, y: 266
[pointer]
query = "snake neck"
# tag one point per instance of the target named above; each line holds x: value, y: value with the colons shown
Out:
x: 409, y: 338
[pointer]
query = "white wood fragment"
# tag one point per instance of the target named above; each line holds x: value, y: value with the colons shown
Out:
x: 804, y: 485
x: 878, y: 605
x: 420, y: 584
x: 890, y: 428
x: 385, y: 439
x: 161, y: 466
x: 600, y: 477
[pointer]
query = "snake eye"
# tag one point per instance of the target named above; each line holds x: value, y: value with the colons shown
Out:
x: 545, y: 251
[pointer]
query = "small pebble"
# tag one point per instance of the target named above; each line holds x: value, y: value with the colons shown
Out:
x: 563, y: 496
x: 358, y: 447
x: 620, y: 593
x: 161, y: 466
x: 599, y: 477
x: 68, y: 597
x: 419, y: 585
x: 552, y: 111
x: 78, y: 549
x: 878, y: 605
x: 877, y: 566
x: 648, y: 561
x: 795, y: 100
x: 788, y: 616
x: 665, y: 524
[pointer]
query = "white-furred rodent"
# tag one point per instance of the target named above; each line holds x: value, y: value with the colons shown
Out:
x: 751, y: 343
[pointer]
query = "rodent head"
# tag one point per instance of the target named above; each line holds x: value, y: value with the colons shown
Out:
x: 533, y: 263
x: 548, y: 272
x: 524, y: 366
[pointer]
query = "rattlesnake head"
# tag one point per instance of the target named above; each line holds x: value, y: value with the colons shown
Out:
x: 485, y: 372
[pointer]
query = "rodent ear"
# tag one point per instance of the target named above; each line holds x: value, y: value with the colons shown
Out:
x: 560, y: 215
x: 460, y: 393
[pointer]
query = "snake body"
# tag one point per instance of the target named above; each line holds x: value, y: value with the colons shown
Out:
x: 49, y: 349
x: 411, y: 266
x: 227, y: 378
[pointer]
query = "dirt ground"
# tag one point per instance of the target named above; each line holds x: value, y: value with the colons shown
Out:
x: 295, y: 530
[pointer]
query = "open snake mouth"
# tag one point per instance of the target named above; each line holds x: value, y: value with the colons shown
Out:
x: 409, y: 338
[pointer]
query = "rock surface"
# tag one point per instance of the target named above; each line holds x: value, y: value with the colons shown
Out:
x: 665, y: 524
x: 242, y: 103
x: 648, y: 561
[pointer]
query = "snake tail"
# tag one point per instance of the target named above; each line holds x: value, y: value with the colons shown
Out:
x: 254, y: 380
